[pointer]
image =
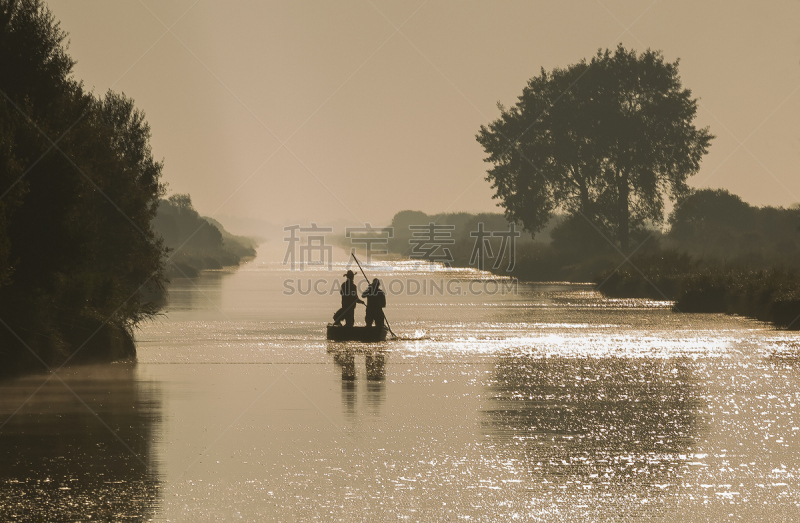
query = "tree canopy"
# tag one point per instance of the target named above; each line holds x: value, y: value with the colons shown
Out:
x: 79, y: 188
x: 713, y: 223
x: 605, y: 140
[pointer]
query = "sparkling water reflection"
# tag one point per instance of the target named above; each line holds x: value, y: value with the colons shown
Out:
x: 82, y: 456
x: 552, y: 404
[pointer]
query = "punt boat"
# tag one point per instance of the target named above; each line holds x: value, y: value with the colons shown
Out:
x: 360, y: 333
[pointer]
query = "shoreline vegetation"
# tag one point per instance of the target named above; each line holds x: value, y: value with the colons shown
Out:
x: 86, y: 238
x: 719, y: 255
x: 769, y: 295
x: 602, y: 145
x: 197, y: 242
x: 80, y: 186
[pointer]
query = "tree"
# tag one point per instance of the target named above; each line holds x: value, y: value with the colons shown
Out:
x: 715, y: 223
x: 78, y: 191
x: 706, y: 211
x: 605, y: 140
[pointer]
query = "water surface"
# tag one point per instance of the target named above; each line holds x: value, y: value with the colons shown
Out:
x: 551, y: 404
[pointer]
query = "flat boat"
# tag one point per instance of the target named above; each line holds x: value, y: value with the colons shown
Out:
x: 362, y: 333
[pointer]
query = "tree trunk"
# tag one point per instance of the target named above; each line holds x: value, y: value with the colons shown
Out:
x: 623, y: 208
x: 585, y: 200
x: 583, y: 190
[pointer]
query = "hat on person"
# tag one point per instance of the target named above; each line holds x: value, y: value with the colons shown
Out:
x: 350, y: 274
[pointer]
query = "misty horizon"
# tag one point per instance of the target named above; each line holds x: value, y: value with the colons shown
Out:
x: 378, y: 104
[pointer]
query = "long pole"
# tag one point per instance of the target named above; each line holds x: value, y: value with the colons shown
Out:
x: 368, y: 283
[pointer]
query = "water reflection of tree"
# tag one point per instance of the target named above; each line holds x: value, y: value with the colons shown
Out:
x: 60, y: 462
x: 611, y: 417
x: 182, y: 293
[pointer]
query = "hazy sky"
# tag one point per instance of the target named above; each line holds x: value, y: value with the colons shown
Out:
x: 377, y: 103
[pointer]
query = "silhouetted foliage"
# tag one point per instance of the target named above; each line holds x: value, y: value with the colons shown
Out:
x: 715, y: 224
x: 605, y: 140
x: 771, y: 295
x: 455, y: 226
x: 195, y: 242
x: 578, y: 237
x: 721, y: 255
x: 79, y: 189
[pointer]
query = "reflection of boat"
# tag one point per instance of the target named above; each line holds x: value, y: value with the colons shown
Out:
x: 365, y: 334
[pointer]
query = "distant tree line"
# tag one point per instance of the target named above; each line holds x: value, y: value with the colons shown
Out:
x: 710, y: 227
x: 196, y: 242
x: 718, y: 254
x: 716, y: 225
x: 460, y: 227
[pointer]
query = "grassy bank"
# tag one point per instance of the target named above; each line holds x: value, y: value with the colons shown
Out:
x: 721, y: 255
x: 770, y: 295
x: 68, y: 340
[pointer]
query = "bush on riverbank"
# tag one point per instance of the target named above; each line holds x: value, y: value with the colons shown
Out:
x: 721, y: 255
x: 770, y: 295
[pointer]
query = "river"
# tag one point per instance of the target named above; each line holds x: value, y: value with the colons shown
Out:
x: 540, y: 402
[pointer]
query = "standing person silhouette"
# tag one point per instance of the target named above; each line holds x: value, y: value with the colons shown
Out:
x: 349, y: 292
x: 376, y: 301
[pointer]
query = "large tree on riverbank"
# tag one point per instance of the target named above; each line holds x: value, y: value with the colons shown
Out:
x: 604, y: 140
x: 78, y: 190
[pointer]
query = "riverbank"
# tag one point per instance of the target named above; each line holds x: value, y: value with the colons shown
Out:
x: 769, y: 295
x: 196, y: 242
x: 43, y: 344
x: 40, y: 331
x: 760, y: 284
